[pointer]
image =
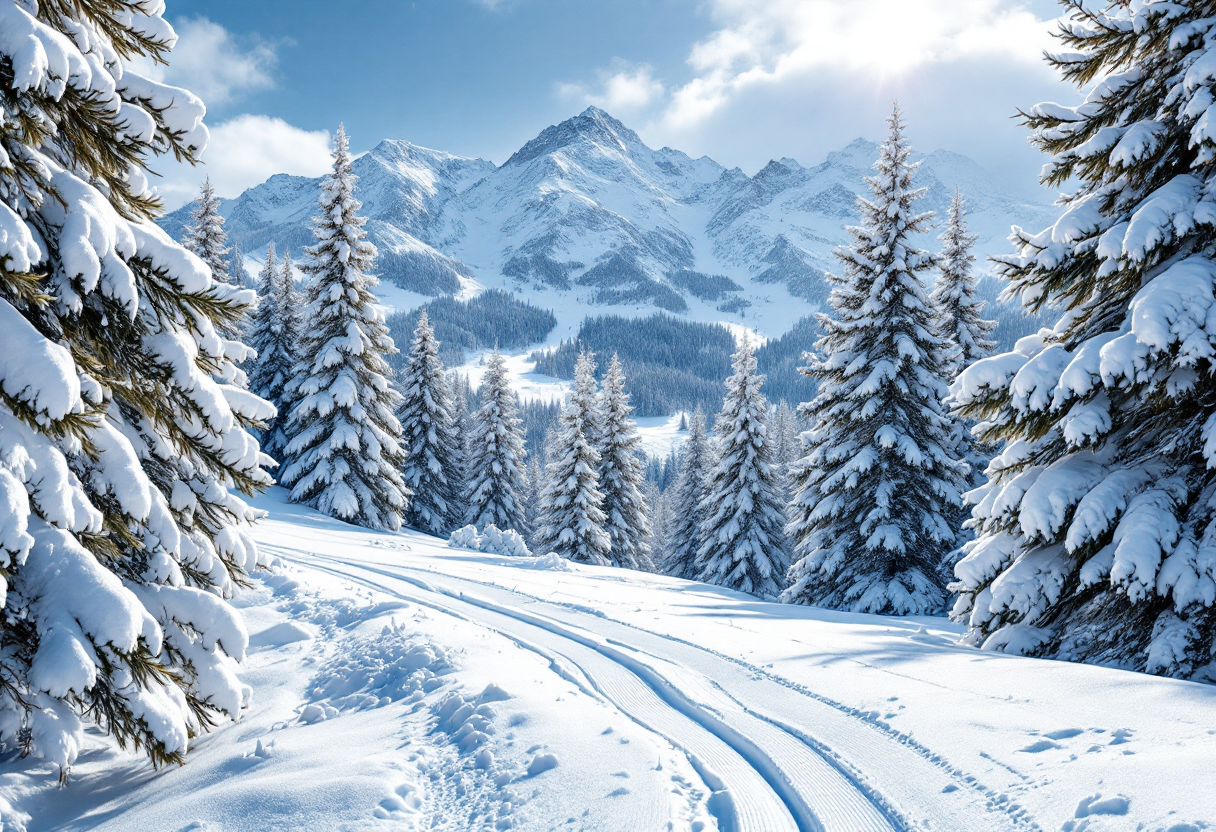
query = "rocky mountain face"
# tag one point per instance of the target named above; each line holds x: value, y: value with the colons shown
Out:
x: 585, y: 218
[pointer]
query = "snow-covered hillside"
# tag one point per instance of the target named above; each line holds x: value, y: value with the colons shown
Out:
x: 400, y: 684
x: 586, y: 218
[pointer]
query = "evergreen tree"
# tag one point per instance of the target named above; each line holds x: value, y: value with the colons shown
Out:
x: 878, y: 481
x: 294, y: 308
x: 968, y: 338
x: 959, y: 311
x: 123, y: 431
x: 345, y: 452
x: 205, y: 235
x: 743, y: 544
x: 237, y: 274
x: 658, y: 520
x: 463, y: 401
x: 432, y: 446
x: 787, y: 437
x: 689, y: 509
x: 1097, y: 531
x: 571, y: 503
x: 273, y: 335
x: 496, y: 460
x: 621, y: 475
x: 532, y: 489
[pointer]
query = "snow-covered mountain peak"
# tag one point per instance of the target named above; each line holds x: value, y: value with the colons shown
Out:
x: 858, y: 154
x: 425, y: 165
x: 592, y: 126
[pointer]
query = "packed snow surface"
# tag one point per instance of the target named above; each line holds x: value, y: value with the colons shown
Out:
x: 402, y: 684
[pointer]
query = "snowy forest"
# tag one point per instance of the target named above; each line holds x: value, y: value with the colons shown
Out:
x: 922, y: 540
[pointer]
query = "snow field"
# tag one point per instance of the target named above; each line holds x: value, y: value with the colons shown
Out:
x: 888, y: 718
x: 402, y: 684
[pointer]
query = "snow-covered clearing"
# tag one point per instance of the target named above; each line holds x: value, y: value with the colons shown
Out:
x: 402, y: 684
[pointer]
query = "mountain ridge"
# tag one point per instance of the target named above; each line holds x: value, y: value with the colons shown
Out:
x: 586, y: 218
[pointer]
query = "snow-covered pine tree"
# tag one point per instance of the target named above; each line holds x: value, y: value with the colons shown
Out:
x: 621, y: 475
x: 532, y: 488
x: 688, y: 507
x: 431, y: 468
x: 870, y: 519
x: 237, y: 275
x: 498, y: 478
x: 571, y: 504
x: 959, y: 311
x: 787, y: 436
x: 968, y: 338
x: 1097, y: 530
x: 205, y: 235
x: 122, y: 422
x: 463, y: 401
x: 272, y: 334
x: 743, y: 542
x: 659, y: 521
x: 345, y: 451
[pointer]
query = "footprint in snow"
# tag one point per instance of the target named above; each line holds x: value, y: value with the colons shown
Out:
x: 1095, y: 805
x: 1040, y: 746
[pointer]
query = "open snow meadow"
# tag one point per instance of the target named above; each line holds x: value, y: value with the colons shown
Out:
x: 400, y: 684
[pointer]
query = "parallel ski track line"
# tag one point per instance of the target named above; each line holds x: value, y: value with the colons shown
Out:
x: 805, y: 775
x: 995, y: 803
x: 745, y: 799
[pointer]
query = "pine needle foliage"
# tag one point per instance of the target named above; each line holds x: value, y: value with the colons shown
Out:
x: 1096, y: 535
x: 123, y: 425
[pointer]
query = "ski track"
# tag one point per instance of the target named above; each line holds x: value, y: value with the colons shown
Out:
x: 766, y: 770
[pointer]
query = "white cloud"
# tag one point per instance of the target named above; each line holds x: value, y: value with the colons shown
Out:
x: 775, y: 42
x: 624, y: 89
x: 214, y: 64
x: 243, y: 152
x: 804, y: 77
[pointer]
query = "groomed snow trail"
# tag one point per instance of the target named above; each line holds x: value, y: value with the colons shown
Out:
x: 778, y: 757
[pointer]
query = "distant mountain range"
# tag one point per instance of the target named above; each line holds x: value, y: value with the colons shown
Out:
x: 585, y: 218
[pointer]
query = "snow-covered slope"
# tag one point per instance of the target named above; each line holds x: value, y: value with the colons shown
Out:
x: 401, y: 684
x: 586, y: 218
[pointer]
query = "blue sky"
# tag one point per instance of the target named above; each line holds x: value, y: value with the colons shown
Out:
x: 740, y: 80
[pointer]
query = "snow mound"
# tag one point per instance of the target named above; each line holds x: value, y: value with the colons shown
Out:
x: 367, y: 672
x: 283, y: 633
x: 552, y: 561
x: 492, y: 540
x: 541, y: 763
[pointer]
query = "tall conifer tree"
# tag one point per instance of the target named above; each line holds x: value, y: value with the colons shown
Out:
x: 432, y: 446
x: 123, y: 431
x: 345, y: 452
x: 960, y: 313
x: 621, y: 475
x: 875, y: 490
x: 273, y: 334
x: 532, y: 490
x: 237, y: 275
x: 743, y: 537
x: 968, y: 339
x: 498, y: 481
x: 689, y: 509
x: 571, y: 503
x: 1097, y: 531
x: 205, y: 235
